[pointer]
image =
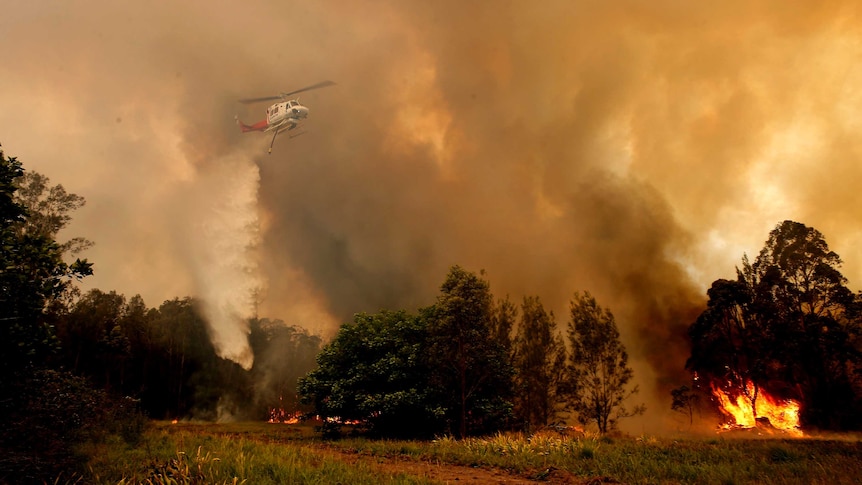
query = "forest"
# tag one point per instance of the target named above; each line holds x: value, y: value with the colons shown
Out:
x: 80, y: 367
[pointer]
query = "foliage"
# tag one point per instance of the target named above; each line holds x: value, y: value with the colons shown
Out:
x: 49, y: 209
x: 503, y: 320
x: 470, y: 367
x: 43, y: 413
x: 164, y: 357
x: 539, y: 359
x: 787, y: 323
x: 47, y: 413
x: 375, y: 372
x: 33, y: 275
x: 598, y: 366
x: 404, y: 375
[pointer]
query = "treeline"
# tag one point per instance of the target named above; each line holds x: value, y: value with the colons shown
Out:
x: 79, y: 368
x: 468, y: 365
x: 163, y: 357
x: 787, y: 325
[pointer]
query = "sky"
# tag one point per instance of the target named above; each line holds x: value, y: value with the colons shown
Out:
x: 633, y: 149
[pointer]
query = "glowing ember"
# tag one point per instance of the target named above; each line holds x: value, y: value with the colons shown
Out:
x: 782, y: 414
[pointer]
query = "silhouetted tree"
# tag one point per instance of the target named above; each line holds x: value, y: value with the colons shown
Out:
x: 598, y: 366
x: 729, y: 340
x: 44, y: 412
x: 33, y: 276
x: 539, y: 361
x: 685, y: 401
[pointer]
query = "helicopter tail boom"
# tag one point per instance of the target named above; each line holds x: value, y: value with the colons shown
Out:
x: 259, y: 126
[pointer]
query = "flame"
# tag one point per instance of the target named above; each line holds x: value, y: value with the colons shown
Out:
x: 279, y: 415
x: 782, y: 414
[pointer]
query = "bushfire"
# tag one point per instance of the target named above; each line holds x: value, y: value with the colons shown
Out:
x: 280, y: 415
x: 741, y: 413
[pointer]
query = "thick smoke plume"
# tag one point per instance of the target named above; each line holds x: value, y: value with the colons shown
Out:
x: 632, y: 149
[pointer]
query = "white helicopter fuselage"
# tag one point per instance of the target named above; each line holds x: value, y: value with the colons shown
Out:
x: 285, y: 115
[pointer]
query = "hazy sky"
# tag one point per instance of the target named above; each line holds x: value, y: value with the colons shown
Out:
x: 635, y: 149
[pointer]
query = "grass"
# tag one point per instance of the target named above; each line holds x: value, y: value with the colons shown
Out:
x: 213, y: 454
x: 262, y: 453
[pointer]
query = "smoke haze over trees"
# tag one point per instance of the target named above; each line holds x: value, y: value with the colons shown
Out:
x: 638, y: 165
x: 465, y: 365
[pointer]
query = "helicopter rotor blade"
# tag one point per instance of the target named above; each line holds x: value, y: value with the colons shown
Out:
x: 319, y: 85
x: 257, y: 100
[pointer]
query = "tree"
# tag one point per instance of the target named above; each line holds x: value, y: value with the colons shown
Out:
x: 729, y: 340
x: 685, y: 401
x: 375, y: 372
x: 49, y: 209
x: 33, y: 275
x: 787, y: 324
x: 598, y: 366
x: 44, y: 413
x: 803, y: 296
x: 472, y: 370
x: 503, y: 320
x: 539, y: 361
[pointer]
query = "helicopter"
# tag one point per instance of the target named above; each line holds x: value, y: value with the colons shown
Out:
x: 280, y: 117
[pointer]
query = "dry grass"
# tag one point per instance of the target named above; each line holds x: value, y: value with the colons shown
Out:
x: 265, y: 453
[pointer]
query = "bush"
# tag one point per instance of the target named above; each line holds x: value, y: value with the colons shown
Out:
x: 47, y: 413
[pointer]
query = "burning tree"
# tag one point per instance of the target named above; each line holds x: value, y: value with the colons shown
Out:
x: 781, y: 334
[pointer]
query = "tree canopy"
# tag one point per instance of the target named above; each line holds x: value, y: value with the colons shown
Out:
x: 471, y: 368
x: 375, y: 372
x: 33, y: 275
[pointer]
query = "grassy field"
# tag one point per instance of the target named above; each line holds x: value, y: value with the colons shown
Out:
x: 262, y: 453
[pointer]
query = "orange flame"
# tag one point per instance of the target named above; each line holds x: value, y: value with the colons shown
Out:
x: 282, y: 416
x: 279, y: 415
x: 782, y: 414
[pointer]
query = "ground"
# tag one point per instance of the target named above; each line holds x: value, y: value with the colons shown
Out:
x: 456, y: 474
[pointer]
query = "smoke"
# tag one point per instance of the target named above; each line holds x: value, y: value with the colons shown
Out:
x: 222, y: 258
x: 633, y: 149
